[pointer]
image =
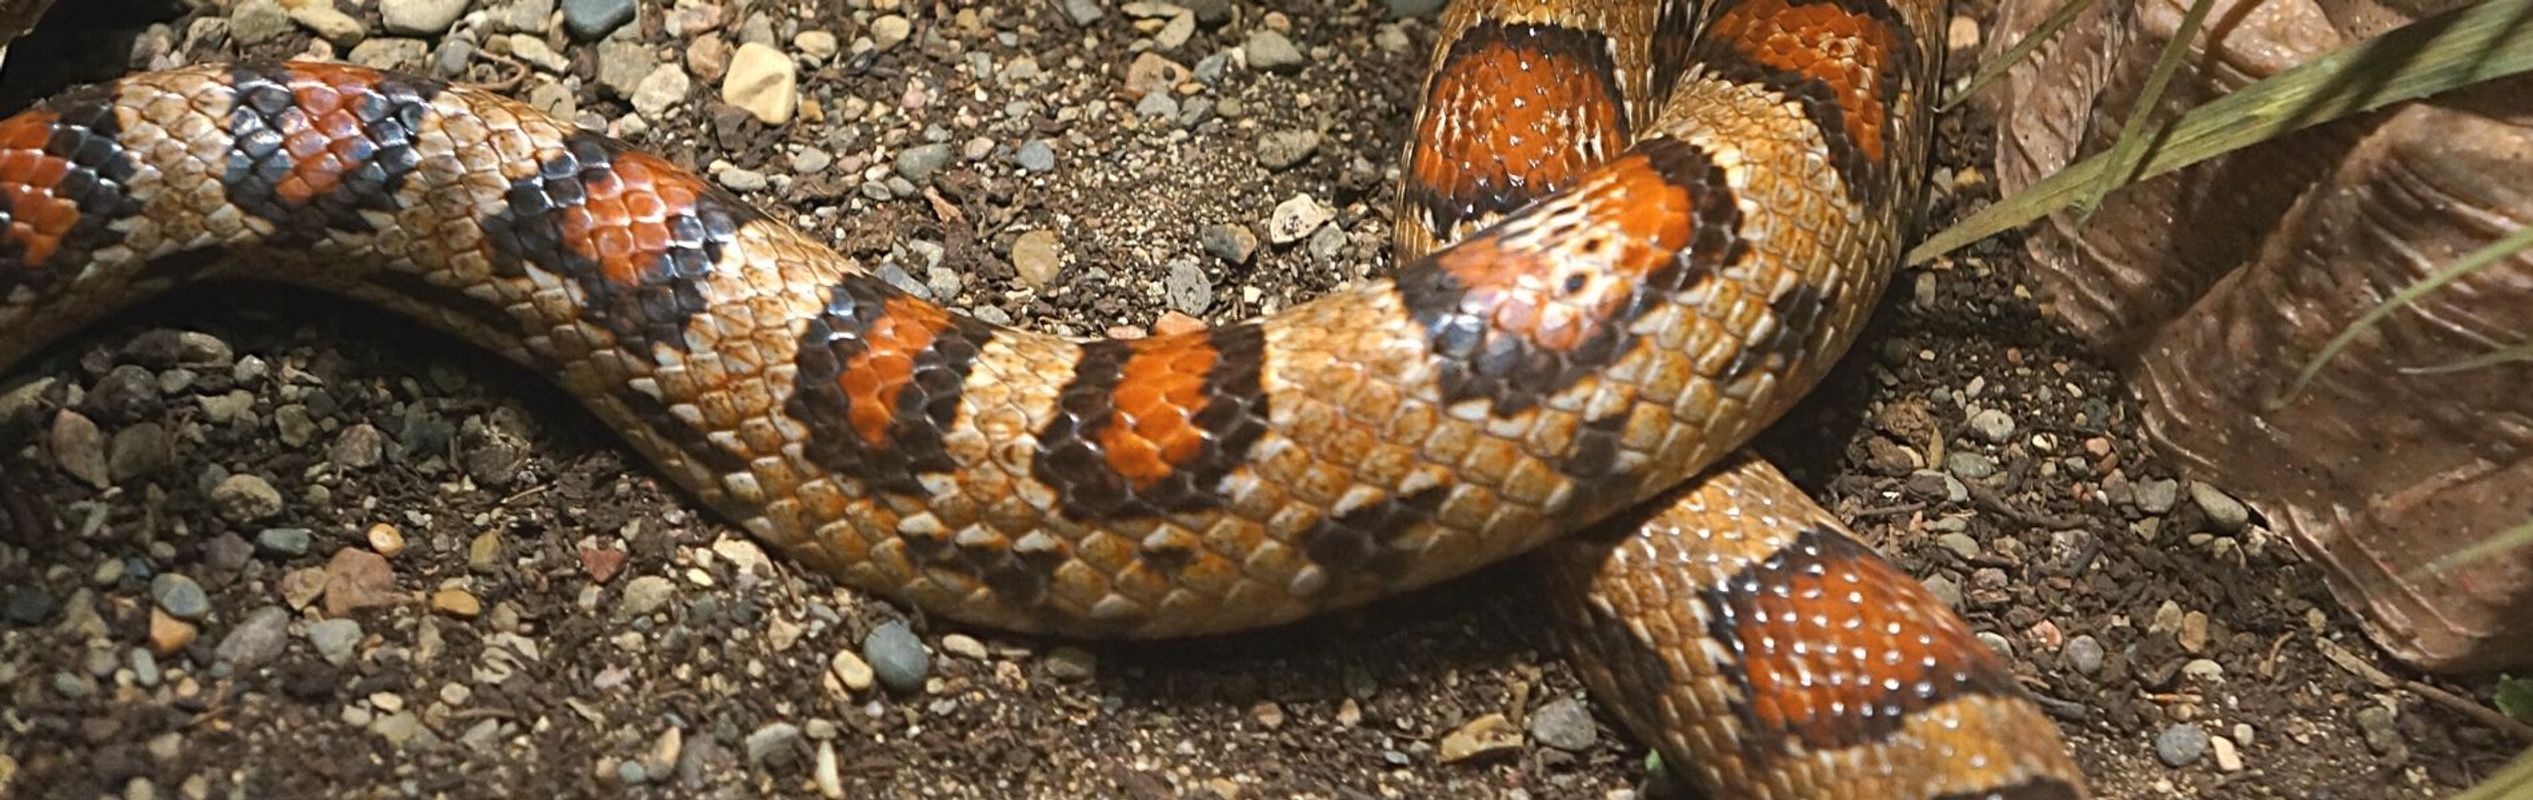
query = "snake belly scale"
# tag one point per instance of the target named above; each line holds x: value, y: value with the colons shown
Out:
x: 1631, y: 234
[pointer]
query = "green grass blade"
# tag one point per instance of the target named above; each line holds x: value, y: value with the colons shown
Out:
x: 1988, y: 73
x: 2487, y: 254
x: 2127, y: 150
x: 2520, y: 352
x: 2490, y: 39
x: 2512, y: 538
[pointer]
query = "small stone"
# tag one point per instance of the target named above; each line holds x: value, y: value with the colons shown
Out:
x: 964, y: 646
x: 742, y: 180
x: 890, y: 30
x: 483, y: 553
x: 2194, y: 632
x: 29, y: 605
x: 645, y: 595
x: 359, y: 446
x: 1157, y: 104
x: 419, y: 17
x: 1070, y: 663
x: 1175, y: 33
x: 2380, y: 725
x: 1962, y: 34
x: 818, y: 45
x: 139, y: 451
x: 1084, y: 12
x: 328, y: 23
x: 1960, y: 544
x: 2204, y: 670
x: 662, y: 88
x: 1037, y: 256
x: 1945, y: 590
x: 811, y: 161
x: 385, y: 540
x: 1189, y: 290
x: 1992, y: 426
x: 245, y: 498
x: 855, y: 673
x: 1231, y: 243
x: 2181, y: 744
x: 1487, y: 735
x: 169, y: 635
x: 2224, y: 512
x: 1035, y: 155
x: 1153, y: 74
x: 335, y: 639
x: 80, y: 448
x: 591, y: 20
x: 1969, y: 466
x: 775, y: 742
x: 760, y: 80
x: 455, y: 602
x: 1173, y: 323
x: 284, y: 542
x: 256, y: 641
x: 1270, y: 51
x: 1564, y: 724
x: 1296, y: 219
x: 257, y: 21
x: 2157, y: 496
x: 897, y: 657
x: 180, y: 596
x: 355, y: 579
x: 1282, y: 149
x: 920, y: 162
x: 2084, y: 653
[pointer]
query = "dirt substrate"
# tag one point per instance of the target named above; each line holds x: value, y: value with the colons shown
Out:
x: 411, y: 571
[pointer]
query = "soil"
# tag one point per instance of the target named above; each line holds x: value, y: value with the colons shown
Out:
x: 502, y: 490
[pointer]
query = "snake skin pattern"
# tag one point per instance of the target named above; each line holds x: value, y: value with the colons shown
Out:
x: 1632, y: 233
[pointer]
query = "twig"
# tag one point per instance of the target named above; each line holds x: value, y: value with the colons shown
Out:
x: 2479, y: 713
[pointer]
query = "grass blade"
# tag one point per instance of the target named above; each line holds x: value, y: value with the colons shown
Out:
x: 1988, y: 73
x: 2487, y: 254
x: 2126, y: 150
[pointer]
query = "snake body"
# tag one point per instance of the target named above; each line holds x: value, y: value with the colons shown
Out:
x: 1632, y: 233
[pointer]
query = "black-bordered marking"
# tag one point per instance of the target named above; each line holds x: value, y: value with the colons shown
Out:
x: 878, y: 379
x: 313, y: 146
x: 1138, y: 431
x: 1809, y: 52
x: 1503, y: 120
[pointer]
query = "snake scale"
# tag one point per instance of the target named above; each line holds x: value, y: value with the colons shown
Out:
x: 1631, y: 233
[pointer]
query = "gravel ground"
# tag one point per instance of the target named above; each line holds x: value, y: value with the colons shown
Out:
x: 255, y: 543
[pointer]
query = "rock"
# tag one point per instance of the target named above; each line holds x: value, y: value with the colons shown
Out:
x: 664, y: 87
x: 897, y: 657
x: 335, y: 639
x: 645, y: 595
x: 257, y: 21
x: 1190, y: 291
x: 963, y: 646
x: 1960, y: 544
x: 1969, y: 466
x: 321, y: 18
x: 245, y: 498
x: 818, y: 45
x: 2204, y: 670
x: 455, y: 602
x: 1035, y: 155
x: 1159, y: 105
x: 1153, y: 74
x: 760, y: 80
x: 1037, y: 256
x: 1084, y: 12
x: 918, y: 163
x: 1945, y: 590
x: 851, y: 670
x: 28, y: 605
x: 419, y: 17
x: 2084, y: 653
x: 1414, y: 8
x: 742, y: 180
x: 2224, y: 512
x: 1173, y: 323
x: 169, y: 635
x: 1487, y: 735
x: 284, y: 542
x: 2181, y: 744
x: 1564, y: 724
x: 359, y: 446
x: 890, y: 30
x: 2228, y: 759
x: 1231, y: 243
x: 2157, y: 496
x: 355, y: 579
x: 1282, y: 149
x: 1269, y: 51
x: 255, y: 642
x: 180, y: 596
x: 773, y: 742
x: 80, y: 449
x: 1070, y: 663
x: 139, y: 451
x: 1992, y: 426
x: 1175, y: 33
x: 2380, y: 725
x: 1296, y: 219
x: 591, y: 20
x: 2194, y: 632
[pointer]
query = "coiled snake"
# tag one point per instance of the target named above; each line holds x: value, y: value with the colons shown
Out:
x: 1670, y: 218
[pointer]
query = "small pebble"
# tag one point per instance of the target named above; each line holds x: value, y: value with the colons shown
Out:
x: 283, y: 542
x: 1067, y: 662
x: 645, y: 595
x: 1486, y: 735
x: 2181, y: 744
x: 256, y: 641
x: 1231, y: 243
x: 920, y: 162
x: 1270, y: 51
x: 590, y: 20
x: 850, y: 669
x: 1037, y: 256
x: 1283, y: 149
x: 245, y: 498
x: 1035, y: 155
x: 2224, y: 512
x: 897, y: 657
x: 777, y: 742
x: 2157, y: 496
x: 168, y: 634
x: 457, y: 603
x: 180, y: 596
x: 1992, y: 426
x: 1296, y: 219
x: 2084, y: 653
x: 964, y: 646
x: 335, y: 639
x: 1564, y: 724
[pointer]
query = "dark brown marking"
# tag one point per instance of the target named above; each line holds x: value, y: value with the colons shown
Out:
x: 1797, y: 315
x: 878, y: 383
x: 1149, y: 426
x: 317, y: 144
x: 1364, y: 540
x: 1846, y: 62
x: 637, y: 234
x: 1513, y: 113
x: 1513, y: 326
x: 1836, y: 648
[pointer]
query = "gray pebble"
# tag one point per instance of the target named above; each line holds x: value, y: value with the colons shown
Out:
x: 920, y: 162
x: 360, y: 446
x: 419, y: 17
x: 180, y: 596
x: 1328, y: 243
x: 1281, y: 149
x: 1270, y: 51
x: 1084, y: 12
x: 1209, y: 70
x: 897, y: 657
x: 944, y: 282
x: 450, y: 59
x: 245, y: 498
x: 645, y: 595
x: 257, y: 22
x: 1564, y: 724
x: 138, y: 451
x: 896, y: 276
x: 1992, y: 426
x: 1157, y: 104
x: 1960, y: 544
x: 145, y: 667
x: 1231, y: 243
x: 293, y: 424
x: 1945, y: 589
x: 1414, y: 8
x: 29, y: 605
x: 2084, y: 653
x: 1296, y: 219
x: 1035, y: 155
x: 811, y: 161
x: 738, y: 179
x: 2181, y: 744
x: 632, y: 773
x: 2224, y: 512
x: 1210, y: 12
x: 334, y: 639
x: 80, y: 448
x: 992, y: 315
x: 1190, y: 291
x: 2157, y: 496
x: 776, y: 742
x: 1969, y: 466
x: 283, y: 541
x: 1175, y: 33
x: 590, y: 20
x: 2381, y: 727
x: 256, y: 641
x: 1067, y: 662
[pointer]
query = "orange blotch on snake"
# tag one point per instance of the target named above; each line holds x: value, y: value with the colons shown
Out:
x: 874, y: 378
x: 1824, y: 42
x: 38, y: 219
x: 1557, y: 291
x: 1158, y: 393
x: 622, y: 224
x: 1514, y: 113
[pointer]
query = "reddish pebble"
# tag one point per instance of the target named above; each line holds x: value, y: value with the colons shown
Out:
x: 601, y: 564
